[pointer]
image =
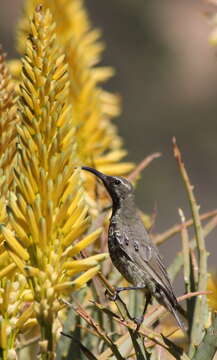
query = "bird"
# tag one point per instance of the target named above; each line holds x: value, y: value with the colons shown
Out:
x: 131, y: 249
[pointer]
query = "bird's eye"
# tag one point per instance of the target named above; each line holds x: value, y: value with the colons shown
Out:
x: 117, y: 182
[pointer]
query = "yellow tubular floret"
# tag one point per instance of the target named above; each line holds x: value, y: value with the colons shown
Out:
x: 29, y: 324
x: 13, y: 243
x: 3, y: 258
x: 20, y: 264
x: 75, y: 249
x: 7, y: 270
x: 76, y: 231
x: 88, y: 262
x: 26, y: 315
x: 3, y: 333
x: 84, y: 278
x: 79, y: 282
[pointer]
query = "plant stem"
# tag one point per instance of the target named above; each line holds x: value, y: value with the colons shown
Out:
x: 200, y: 310
x: 208, y: 346
x: 178, y: 262
x: 160, y: 238
x: 47, y: 344
x: 186, y: 252
x: 142, y: 165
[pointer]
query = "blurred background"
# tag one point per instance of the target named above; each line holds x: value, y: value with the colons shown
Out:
x: 166, y: 73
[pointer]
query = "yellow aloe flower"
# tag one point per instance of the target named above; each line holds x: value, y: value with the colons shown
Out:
x: 47, y: 213
x: 93, y: 107
x: 8, y: 120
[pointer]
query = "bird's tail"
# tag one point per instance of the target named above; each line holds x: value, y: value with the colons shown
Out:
x: 173, y: 306
x: 178, y: 320
x: 181, y: 310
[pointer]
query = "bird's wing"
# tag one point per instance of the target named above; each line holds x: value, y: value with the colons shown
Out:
x: 140, y: 250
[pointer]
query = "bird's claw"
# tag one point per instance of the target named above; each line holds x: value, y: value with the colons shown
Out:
x: 111, y: 297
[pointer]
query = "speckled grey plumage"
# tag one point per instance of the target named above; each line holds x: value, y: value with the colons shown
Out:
x: 131, y: 249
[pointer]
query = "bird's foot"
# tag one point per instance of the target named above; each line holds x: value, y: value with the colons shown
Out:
x: 111, y: 297
x: 138, y: 321
x: 115, y: 294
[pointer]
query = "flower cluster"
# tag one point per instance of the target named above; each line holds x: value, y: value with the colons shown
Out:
x: 54, y: 117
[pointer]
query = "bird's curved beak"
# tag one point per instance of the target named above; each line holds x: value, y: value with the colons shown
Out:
x: 106, y: 179
x: 103, y: 177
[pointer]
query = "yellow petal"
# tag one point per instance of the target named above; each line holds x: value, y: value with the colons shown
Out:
x: 32, y: 271
x: 4, y: 333
x: 32, y: 223
x: 75, y: 249
x: 13, y: 243
x: 84, y: 278
x: 27, y: 296
x: 19, y: 231
x: 79, y: 282
x: 76, y: 231
x: 42, y: 233
x: 3, y: 258
x: 27, y: 314
x: 76, y: 218
x: 14, y: 205
x: 20, y: 264
x: 30, y: 323
x: 80, y: 265
x: 88, y: 262
x: 7, y: 270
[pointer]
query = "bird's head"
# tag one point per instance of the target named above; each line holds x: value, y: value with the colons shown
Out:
x: 118, y: 187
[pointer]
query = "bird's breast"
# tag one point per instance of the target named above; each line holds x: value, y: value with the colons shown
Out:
x: 117, y: 241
